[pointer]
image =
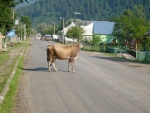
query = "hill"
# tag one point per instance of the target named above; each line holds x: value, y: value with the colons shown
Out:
x: 25, y: 3
x: 50, y: 10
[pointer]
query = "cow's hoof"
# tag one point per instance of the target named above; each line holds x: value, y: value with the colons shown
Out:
x: 73, y: 71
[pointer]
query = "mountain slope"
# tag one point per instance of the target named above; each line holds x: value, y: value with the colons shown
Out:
x: 50, y: 10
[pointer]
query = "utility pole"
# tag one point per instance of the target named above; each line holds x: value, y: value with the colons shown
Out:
x: 54, y: 27
x: 24, y: 25
x: 63, y: 32
x: 63, y: 37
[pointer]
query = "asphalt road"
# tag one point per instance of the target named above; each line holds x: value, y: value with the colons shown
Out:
x: 100, y: 84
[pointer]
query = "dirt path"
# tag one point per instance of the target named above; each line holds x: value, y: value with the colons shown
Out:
x: 13, y: 54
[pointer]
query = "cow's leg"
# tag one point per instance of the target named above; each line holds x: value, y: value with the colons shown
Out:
x: 49, y: 61
x: 71, y: 60
x: 53, y: 62
x: 72, y: 63
x: 69, y: 65
x: 49, y: 66
x: 54, y: 66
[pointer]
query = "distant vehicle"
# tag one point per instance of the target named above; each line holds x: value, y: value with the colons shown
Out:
x: 38, y: 36
x: 47, y: 37
x: 55, y: 38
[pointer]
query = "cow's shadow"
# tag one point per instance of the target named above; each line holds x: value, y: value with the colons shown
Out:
x: 41, y: 69
x: 35, y: 69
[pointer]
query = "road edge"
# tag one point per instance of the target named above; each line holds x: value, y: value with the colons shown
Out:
x: 6, y: 87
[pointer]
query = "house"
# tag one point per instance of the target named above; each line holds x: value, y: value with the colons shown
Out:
x: 88, y: 32
x: 67, y: 39
x: 104, y: 30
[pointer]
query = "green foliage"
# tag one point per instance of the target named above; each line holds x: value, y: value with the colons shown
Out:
x: 96, y: 39
x: 6, y: 18
x: 75, y: 32
x: 43, y: 28
x: 26, y: 20
x: 50, y: 10
x: 131, y: 25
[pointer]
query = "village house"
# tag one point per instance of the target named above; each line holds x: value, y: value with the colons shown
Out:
x: 103, y: 29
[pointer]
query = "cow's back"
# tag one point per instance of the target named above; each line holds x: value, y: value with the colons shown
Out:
x: 62, y: 52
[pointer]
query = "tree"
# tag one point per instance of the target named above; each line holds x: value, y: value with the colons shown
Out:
x: 42, y: 26
x: 6, y: 18
x: 75, y: 32
x: 130, y: 26
x: 96, y: 39
x: 26, y: 21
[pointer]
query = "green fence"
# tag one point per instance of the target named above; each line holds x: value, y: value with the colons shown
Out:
x: 140, y: 55
x: 115, y: 50
x: 143, y: 56
x: 91, y: 47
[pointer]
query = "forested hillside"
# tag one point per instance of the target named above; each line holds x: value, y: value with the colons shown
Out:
x: 50, y: 10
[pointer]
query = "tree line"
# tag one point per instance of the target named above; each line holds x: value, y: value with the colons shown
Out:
x: 50, y: 10
x: 132, y: 25
x: 8, y: 16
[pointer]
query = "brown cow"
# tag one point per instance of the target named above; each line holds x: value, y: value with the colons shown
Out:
x: 62, y: 52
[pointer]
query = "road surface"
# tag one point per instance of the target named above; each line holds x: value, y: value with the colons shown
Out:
x: 101, y: 84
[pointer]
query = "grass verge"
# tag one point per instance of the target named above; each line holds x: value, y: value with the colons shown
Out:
x: 9, y: 100
x: 4, y: 55
x: 8, y: 103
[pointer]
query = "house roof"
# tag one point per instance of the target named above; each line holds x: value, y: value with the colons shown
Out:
x: 103, y: 27
x: 97, y: 27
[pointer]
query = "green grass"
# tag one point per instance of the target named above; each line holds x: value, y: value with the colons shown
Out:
x: 9, y: 101
x: 4, y: 55
x: 5, y: 74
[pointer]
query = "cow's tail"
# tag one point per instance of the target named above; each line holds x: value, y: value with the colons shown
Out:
x: 48, y: 52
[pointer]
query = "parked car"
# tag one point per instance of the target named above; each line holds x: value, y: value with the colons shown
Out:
x: 47, y: 38
x: 55, y: 38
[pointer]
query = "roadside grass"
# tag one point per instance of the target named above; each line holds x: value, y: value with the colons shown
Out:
x: 9, y: 101
x: 4, y: 55
x: 5, y: 73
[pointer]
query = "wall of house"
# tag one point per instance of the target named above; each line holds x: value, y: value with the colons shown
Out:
x: 87, y: 38
x: 106, y: 38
